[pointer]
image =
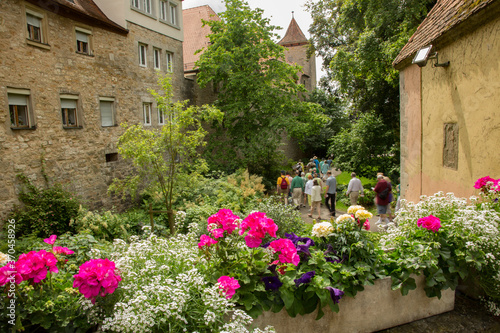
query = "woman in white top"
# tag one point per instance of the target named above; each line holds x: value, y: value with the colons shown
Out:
x: 308, y: 188
x: 316, y: 198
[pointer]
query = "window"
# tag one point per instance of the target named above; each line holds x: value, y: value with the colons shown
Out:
x: 157, y: 55
x: 69, y: 111
x: 142, y: 5
x: 19, y: 108
x: 163, y: 10
x: 36, y: 27
x: 173, y: 13
x: 83, y: 39
x: 142, y: 55
x: 146, y: 107
x: 161, y: 117
x: 106, y: 105
x: 170, y: 62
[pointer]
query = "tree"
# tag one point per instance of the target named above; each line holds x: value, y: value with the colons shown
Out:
x: 358, y: 40
x: 317, y: 143
x: 258, y: 91
x: 162, y: 157
x: 362, y: 148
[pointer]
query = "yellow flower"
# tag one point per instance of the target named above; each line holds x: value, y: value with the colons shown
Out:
x: 322, y: 229
x: 353, y: 209
x: 363, y: 214
x: 345, y: 218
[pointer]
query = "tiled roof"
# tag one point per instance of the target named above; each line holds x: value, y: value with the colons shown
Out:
x: 81, y: 10
x: 195, y: 36
x: 443, y: 17
x: 293, y: 36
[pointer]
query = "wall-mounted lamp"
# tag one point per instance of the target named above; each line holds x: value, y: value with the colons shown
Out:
x: 424, y: 54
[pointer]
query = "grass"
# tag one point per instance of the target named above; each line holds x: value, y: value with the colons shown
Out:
x: 345, y: 177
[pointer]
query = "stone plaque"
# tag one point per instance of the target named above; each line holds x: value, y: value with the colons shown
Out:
x: 450, y: 147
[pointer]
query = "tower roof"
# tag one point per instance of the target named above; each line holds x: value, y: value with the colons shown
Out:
x: 294, y: 36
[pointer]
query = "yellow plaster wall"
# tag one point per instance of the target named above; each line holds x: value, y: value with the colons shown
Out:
x: 467, y: 93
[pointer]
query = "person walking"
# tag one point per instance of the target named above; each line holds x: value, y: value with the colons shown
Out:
x: 297, y: 184
x: 316, y: 199
x: 304, y: 181
x: 308, y: 189
x: 390, y: 215
x: 282, y: 186
x: 331, y: 192
x: 382, y: 190
x: 354, y: 189
x: 324, y: 169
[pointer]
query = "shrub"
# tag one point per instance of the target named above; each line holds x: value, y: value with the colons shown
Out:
x: 286, y: 218
x: 44, y: 211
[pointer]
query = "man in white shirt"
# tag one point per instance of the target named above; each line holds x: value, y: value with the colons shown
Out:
x: 354, y: 189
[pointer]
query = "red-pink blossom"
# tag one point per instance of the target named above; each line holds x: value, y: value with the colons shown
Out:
x: 96, y: 277
x: 367, y: 224
x: 34, y: 265
x: 8, y: 273
x: 287, y: 253
x: 228, y: 285
x: 483, y: 182
x: 224, y: 220
x: 62, y: 250
x: 257, y: 224
x: 430, y: 223
x: 206, y: 241
x: 51, y: 240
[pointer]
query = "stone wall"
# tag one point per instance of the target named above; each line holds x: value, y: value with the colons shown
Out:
x: 75, y: 157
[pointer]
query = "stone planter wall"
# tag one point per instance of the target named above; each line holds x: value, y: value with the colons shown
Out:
x: 375, y: 308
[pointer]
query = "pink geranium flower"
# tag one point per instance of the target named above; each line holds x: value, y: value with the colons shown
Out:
x: 62, y: 250
x: 224, y: 220
x: 96, y: 277
x: 228, y: 285
x: 51, y: 240
x: 367, y: 225
x: 257, y: 224
x: 430, y: 222
x: 206, y: 241
x: 8, y: 273
x: 35, y: 265
x: 287, y: 253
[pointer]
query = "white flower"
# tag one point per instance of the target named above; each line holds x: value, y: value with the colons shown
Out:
x: 345, y: 217
x: 363, y: 214
x: 322, y: 229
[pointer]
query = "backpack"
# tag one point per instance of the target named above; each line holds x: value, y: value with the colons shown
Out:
x: 383, y: 195
x: 284, y: 183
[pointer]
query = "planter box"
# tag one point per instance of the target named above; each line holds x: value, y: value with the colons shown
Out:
x: 376, y: 308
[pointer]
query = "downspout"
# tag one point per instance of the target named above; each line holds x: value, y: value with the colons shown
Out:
x: 421, y: 133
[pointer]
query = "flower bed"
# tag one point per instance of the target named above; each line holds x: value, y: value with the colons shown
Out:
x: 376, y: 308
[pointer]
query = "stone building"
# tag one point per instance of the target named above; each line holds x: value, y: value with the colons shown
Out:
x: 69, y: 75
x: 450, y: 101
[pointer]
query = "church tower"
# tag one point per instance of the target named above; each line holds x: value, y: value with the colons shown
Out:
x: 296, y: 45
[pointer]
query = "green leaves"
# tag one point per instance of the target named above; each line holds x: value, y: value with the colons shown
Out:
x: 163, y: 157
x: 258, y: 89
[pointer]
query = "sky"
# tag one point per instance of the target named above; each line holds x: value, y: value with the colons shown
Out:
x: 278, y: 11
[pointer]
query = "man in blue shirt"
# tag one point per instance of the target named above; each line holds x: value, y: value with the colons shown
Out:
x: 331, y: 191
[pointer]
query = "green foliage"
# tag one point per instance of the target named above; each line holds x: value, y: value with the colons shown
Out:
x: 162, y: 158
x: 362, y: 148
x: 44, y: 211
x: 287, y: 218
x: 108, y: 225
x: 317, y: 142
x: 258, y: 92
x: 358, y: 40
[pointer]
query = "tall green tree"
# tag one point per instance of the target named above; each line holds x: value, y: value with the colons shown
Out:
x: 358, y: 40
x: 164, y: 157
x: 258, y: 91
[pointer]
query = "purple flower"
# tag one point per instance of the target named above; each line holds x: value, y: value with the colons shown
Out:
x: 330, y: 259
x: 335, y: 294
x: 272, y: 282
x: 301, y: 248
x: 305, y: 278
